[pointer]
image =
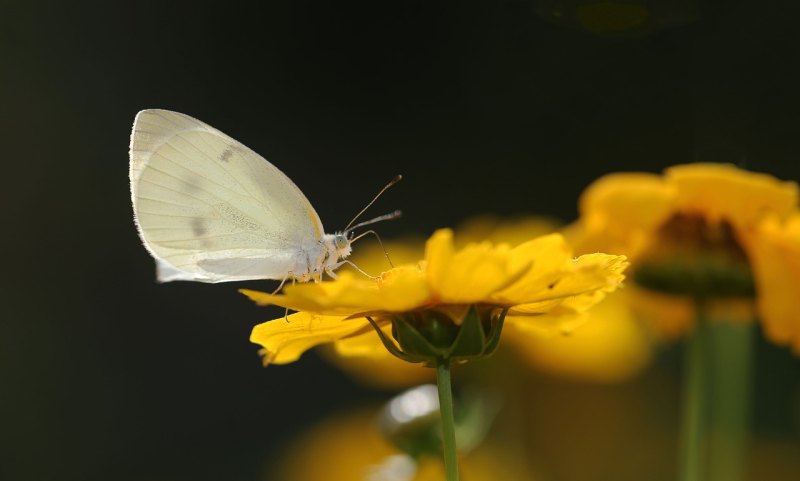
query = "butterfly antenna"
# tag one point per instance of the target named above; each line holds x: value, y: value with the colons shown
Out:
x: 389, y: 216
x: 359, y: 236
x: 391, y: 183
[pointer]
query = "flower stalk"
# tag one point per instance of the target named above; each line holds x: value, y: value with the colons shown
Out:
x: 449, y: 451
x: 731, y: 347
x: 694, y: 409
x: 716, y: 404
x: 429, y: 338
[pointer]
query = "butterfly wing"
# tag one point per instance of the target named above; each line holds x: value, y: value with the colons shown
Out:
x: 210, y: 209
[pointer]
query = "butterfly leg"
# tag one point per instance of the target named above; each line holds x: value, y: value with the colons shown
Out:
x: 280, y: 286
x: 286, y: 312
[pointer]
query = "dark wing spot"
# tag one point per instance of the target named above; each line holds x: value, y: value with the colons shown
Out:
x: 553, y: 284
x: 198, y: 229
x: 226, y: 155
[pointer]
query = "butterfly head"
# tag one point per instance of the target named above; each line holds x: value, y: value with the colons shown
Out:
x: 342, y: 245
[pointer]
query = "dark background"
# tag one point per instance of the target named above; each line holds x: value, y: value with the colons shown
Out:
x: 506, y: 107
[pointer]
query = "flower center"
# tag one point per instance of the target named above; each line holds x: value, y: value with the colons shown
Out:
x: 697, y: 258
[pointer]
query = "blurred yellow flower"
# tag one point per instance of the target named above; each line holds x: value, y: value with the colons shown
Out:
x: 610, y: 346
x: 365, y: 359
x: 349, y: 447
x: 774, y: 249
x: 710, y: 231
x: 538, y: 282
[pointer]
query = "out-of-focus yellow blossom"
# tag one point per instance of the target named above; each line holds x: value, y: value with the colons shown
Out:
x: 349, y: 447
x: 366, y: 360
x: 735, y: 230
x: 536, y: 282
x: 775, y: 252
x: 611, y: 346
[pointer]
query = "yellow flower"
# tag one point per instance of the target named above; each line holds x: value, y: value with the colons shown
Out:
x: 710, y: 231
x: 535, y: 283
x: 775, y: 252
x: 611, y: 345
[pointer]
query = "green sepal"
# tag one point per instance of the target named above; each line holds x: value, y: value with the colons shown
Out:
x: 495, y: 333
x: 430, y: 336
x: 471, y: 339
x: 390, y: 346
x: 412, y: 342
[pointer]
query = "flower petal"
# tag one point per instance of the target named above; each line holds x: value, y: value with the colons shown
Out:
x: 364, y: 357
x: 619, y: 212
x: 543, y: 325
x: 576, y: 288
x: 366, y: 344
x: 611, y: 346
x: 724, y: 192
x: 403, y: 288
x: 286, y: 339
x: 544, y: 259
x: 775, y: 254
x: 342, y: 297
x: 470, y: 274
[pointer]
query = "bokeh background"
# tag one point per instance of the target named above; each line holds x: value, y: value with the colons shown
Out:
x: 507, y: 107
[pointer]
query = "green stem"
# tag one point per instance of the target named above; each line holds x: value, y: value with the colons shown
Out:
x: 693, y: 422
x: 448, y: 422
x: 729, y: 414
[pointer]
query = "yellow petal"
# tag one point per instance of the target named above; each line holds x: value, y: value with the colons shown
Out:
x: 371, y: 257
x: 775, y: 254
x: 548, y: 325
x: 399, y: 289
x: 342, y: 297
x: 284, y: 341
x: 544, y: 260
x: 619, y: 212
x: 366, y: 345
x: 724, y: 192
x: 403, y: 288
x: 586, y: 282
x: 610, y: 346
x: 470, y: 274
x: 364, y: 357
x: 439, y: 252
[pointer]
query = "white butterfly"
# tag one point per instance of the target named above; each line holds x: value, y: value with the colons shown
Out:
x: 209, y: 209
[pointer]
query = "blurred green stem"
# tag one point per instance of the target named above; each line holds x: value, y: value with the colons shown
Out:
x: 694, y: 409
x: 716, y: 401
x: 448, y: 424
x: 731, y: 355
